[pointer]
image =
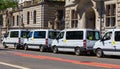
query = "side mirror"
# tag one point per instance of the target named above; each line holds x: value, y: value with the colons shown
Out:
x: 57, y: 38
x: 5, y: 36
x: 27, y: 36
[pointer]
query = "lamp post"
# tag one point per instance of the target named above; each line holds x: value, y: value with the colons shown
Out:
x: 101, y: 15
x: 20, y: 15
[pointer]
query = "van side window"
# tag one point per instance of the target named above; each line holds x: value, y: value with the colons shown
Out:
x: 60, y: 35
x: 107, y: 36
x: 39, y: 34
x: 74, y: 35
x: 14, y: 34
x: 117, y: 36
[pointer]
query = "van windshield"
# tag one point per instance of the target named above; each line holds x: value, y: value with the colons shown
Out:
x: 29, y: 35
x: 117, y: 36
x: 93, y: 35
x: 52, y: 34
x: 24, y: 34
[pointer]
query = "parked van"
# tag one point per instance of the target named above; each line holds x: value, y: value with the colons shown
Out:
x: 40, y: 39
x: 109, y: 44
x: 75, y: 40
x: 15, y: 38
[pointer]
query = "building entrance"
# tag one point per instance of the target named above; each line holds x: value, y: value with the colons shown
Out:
x: 90, y: 19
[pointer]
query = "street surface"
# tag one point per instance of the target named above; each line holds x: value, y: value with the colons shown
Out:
x: 33, y: 59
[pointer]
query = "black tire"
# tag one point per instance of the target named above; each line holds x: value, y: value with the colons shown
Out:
x: 41, y: 49
x: 77, y: 51
x: 15, y: 46
x: 4, y: 45
x: 25, y: 47
x: 99, y: 53
x: 55, y: 50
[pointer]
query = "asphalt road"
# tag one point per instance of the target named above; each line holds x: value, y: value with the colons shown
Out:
x: 33, y: 59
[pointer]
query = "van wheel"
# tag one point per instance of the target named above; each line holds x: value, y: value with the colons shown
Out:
x: 41, y: 49
x: 5, y: 45
x: 55, y: 50
x: 99, y: 53
x: 25, y: 47
x: 77, y: 51
x: 15, y: 46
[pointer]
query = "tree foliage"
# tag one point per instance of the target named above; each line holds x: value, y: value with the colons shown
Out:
x: 4, y: 4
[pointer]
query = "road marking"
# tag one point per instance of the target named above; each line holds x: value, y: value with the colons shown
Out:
x: 12, y: 65
x: 104, y: 65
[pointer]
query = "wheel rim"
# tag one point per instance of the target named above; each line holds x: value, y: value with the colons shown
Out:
x: 41, y: 49
x: 99, y: 53
x: 4, y: 45
x: 55, y: 50
x: 77, y: 51
x: 25, y: 47
x: 15, y: 46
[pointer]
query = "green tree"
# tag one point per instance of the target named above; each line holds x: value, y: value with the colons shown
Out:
x: 4, y: 5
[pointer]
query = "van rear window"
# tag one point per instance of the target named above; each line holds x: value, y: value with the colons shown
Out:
x: 74, y: 35
x: 39, y: 34
x: 93, y: 35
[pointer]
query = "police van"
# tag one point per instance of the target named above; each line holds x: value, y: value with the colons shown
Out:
x: 75, y: 40
x: 15, y: 38
x: 40, y: 39
x: 109, y: 44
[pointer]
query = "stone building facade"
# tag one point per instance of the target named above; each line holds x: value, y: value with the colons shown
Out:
x: 92, y: 14
x: 42, y: 14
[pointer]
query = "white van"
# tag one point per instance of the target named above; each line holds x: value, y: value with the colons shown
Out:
x: 75, y: 40
x: 40, y: 39
x: 109, y: 44
x: 15, y: 38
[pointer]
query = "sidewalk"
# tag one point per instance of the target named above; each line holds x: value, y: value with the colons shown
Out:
x: 1, y: 46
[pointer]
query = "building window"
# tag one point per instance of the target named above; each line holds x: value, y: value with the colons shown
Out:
x: 28, y: 17
x: 34, y: 17
x: 110, y: 15
x: 74, y: 19
x: 17, y: 20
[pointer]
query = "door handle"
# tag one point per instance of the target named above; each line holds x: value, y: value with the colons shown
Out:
x: 109, y: 42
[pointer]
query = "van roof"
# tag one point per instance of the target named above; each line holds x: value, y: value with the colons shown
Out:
x: 113, y: 30
x: 41, y: 29
x: 16, y: 29
x: 80, y: 29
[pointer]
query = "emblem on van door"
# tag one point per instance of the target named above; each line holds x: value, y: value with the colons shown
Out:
x: 113, y: 42
x: 64, y: 41
x: 32, y: 39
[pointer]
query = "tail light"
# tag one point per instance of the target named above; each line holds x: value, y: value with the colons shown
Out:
x: 46, y: 41
x: 84, y: 43
x: 19, y: 40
